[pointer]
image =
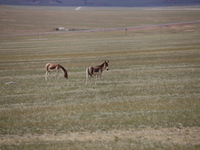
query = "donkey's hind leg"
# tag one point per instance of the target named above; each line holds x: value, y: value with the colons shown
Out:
x: 46, y: 75
x: 86, y: 78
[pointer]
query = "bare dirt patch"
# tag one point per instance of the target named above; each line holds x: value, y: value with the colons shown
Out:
x: 180, y: 136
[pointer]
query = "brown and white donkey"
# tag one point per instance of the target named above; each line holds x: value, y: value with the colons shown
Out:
x: 96, y: 71
x: 55, y: 67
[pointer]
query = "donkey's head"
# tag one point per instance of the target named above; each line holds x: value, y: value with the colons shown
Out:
x: 106, y: 65
x: 66, y: 74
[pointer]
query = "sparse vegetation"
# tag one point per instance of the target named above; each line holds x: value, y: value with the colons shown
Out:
x: 149, y: 98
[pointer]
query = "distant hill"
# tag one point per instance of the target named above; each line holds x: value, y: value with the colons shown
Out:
x: 111, y: 3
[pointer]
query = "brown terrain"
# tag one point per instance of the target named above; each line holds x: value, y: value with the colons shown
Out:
x: 180, y: 136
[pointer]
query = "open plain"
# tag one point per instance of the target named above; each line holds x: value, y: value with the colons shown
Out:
x: 148, y: 99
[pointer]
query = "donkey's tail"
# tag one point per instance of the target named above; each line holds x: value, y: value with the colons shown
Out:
x: 88, y: 72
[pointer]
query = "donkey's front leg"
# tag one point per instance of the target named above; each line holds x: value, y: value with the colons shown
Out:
x: 57, y: 75
x: 100, y: 73
x: 96, y: 80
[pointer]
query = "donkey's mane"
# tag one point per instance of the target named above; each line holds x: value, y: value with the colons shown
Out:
x: 63, y: 68
x: 101, y: 65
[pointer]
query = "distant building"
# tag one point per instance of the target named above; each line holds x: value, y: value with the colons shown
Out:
x: 61, y: 29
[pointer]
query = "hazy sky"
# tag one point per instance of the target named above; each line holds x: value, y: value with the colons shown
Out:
x: 126, y: 3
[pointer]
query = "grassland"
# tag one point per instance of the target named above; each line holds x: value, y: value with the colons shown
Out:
x: 149, y: 98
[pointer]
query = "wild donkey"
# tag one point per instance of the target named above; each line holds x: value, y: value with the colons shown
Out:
x: 55, y: 67
x: 96, y: 71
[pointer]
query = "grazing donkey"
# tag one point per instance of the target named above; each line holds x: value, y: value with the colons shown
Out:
x: 96, y: 71
x: 55, y: 67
